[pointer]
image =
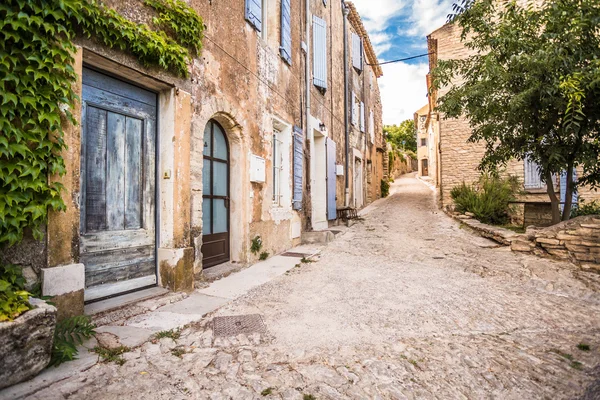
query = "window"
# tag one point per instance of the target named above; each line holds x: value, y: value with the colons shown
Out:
x: 357, y: 52
x: 423, y: 141
x: 356, y: 109
x: 277, y: 168
x: 286, y: 32
x: 532, y: 180
x: 319, y: 52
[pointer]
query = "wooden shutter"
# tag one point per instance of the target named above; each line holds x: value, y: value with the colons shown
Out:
x: 362, y: 116
x: 353, y: 110
x: 533, y: 179
x: 319, y: 52
x: 372, y: 126
x: 298, y: 167
x: 357, y: 60
x: 331, y: 180
x: 286, y: 32
x: 254, y: 13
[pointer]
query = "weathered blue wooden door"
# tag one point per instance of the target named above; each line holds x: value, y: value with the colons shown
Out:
x: 117, y: 243
x: 331, y: 181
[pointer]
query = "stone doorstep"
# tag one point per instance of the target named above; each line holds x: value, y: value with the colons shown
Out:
x: 162, y: 312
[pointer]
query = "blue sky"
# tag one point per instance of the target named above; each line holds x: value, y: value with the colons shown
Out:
x: 398, y: 29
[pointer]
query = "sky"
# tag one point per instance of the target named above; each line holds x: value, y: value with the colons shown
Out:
x: 399, y: 29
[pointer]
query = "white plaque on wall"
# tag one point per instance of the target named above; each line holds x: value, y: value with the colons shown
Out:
x: 257, y: 169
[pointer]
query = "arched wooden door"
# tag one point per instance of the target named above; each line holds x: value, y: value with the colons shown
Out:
x: 215, y: 199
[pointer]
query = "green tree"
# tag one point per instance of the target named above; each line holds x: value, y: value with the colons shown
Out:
x: 403, y: 137
x: 532, y: 89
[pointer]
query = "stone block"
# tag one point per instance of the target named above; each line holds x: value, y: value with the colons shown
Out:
x: 63, y: 279
x: 317, y: 237
x: 521, y: 246
x: 584, y: 257
x: 547, y: 241
x: 176, y: 269
x: 590, y: 226
x: 577, y: 248
x: 590, y: 243
x: 562, y: 235
x: 26, y: 343
x: 65, y: 283
x: 559, y: 253
x: 593, y: 266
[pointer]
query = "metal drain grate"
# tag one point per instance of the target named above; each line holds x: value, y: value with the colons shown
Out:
x: 234, y: 325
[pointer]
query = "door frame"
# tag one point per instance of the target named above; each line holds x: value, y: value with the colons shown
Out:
x: 227, y: 197
x: 82, y: 183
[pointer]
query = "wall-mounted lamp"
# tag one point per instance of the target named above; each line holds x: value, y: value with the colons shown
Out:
x: 322, y: 127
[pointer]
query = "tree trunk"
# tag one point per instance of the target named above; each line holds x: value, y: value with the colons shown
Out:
x: 554, y: 201
x: 568, y: 194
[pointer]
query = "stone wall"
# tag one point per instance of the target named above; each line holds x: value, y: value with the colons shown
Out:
x: 577, y: 240
x: 401, y: 165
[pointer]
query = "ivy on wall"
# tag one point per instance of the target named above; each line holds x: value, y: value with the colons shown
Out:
x: 36, y: 89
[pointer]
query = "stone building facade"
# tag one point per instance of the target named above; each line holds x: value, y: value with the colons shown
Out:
x: 459, y: 159
x: 427, y: 144
x: 252, y: 146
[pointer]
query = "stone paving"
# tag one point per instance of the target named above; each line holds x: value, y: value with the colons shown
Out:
x: 404, y: 305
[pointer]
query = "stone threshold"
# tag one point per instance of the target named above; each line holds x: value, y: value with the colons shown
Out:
x: 137, y: 323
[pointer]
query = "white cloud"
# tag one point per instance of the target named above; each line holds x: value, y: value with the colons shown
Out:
x: 427, y: 16
x: 403, y: 91
x: 376, y: 14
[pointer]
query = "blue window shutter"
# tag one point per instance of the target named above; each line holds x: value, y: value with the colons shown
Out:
x: 254, y: 13
x: 357, y: 60
x: 331, y: 180
x: 319, y: 52
x: 362, y: 116
x: 533, y: 180
x: 286, y: 32
x: 298, y: 167
x: 353, y: 110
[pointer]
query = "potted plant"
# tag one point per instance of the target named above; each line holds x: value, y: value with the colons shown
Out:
x: 26, y: 329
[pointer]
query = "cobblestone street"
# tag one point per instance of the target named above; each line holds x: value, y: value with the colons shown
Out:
x: 404, y: 305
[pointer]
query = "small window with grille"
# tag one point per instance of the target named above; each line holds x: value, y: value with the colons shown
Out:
x: 277, y: 168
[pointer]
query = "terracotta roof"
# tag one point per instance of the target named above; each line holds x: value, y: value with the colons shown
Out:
x: 356, y: 22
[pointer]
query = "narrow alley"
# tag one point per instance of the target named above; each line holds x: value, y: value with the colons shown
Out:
x: 405, y: 304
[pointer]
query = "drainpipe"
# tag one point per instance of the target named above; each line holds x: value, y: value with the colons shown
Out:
x: 346, y: 124
x: 307, y: 67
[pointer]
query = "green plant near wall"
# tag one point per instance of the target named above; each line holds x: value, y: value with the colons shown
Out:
x: 256, y: 244
x: 36, y: 90
x: 14, y: 299
x: 385, y: 188
x: 177, y: 17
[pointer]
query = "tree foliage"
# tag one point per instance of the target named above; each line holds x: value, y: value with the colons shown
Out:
x: 532, y: 89
x: 403, y: 136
